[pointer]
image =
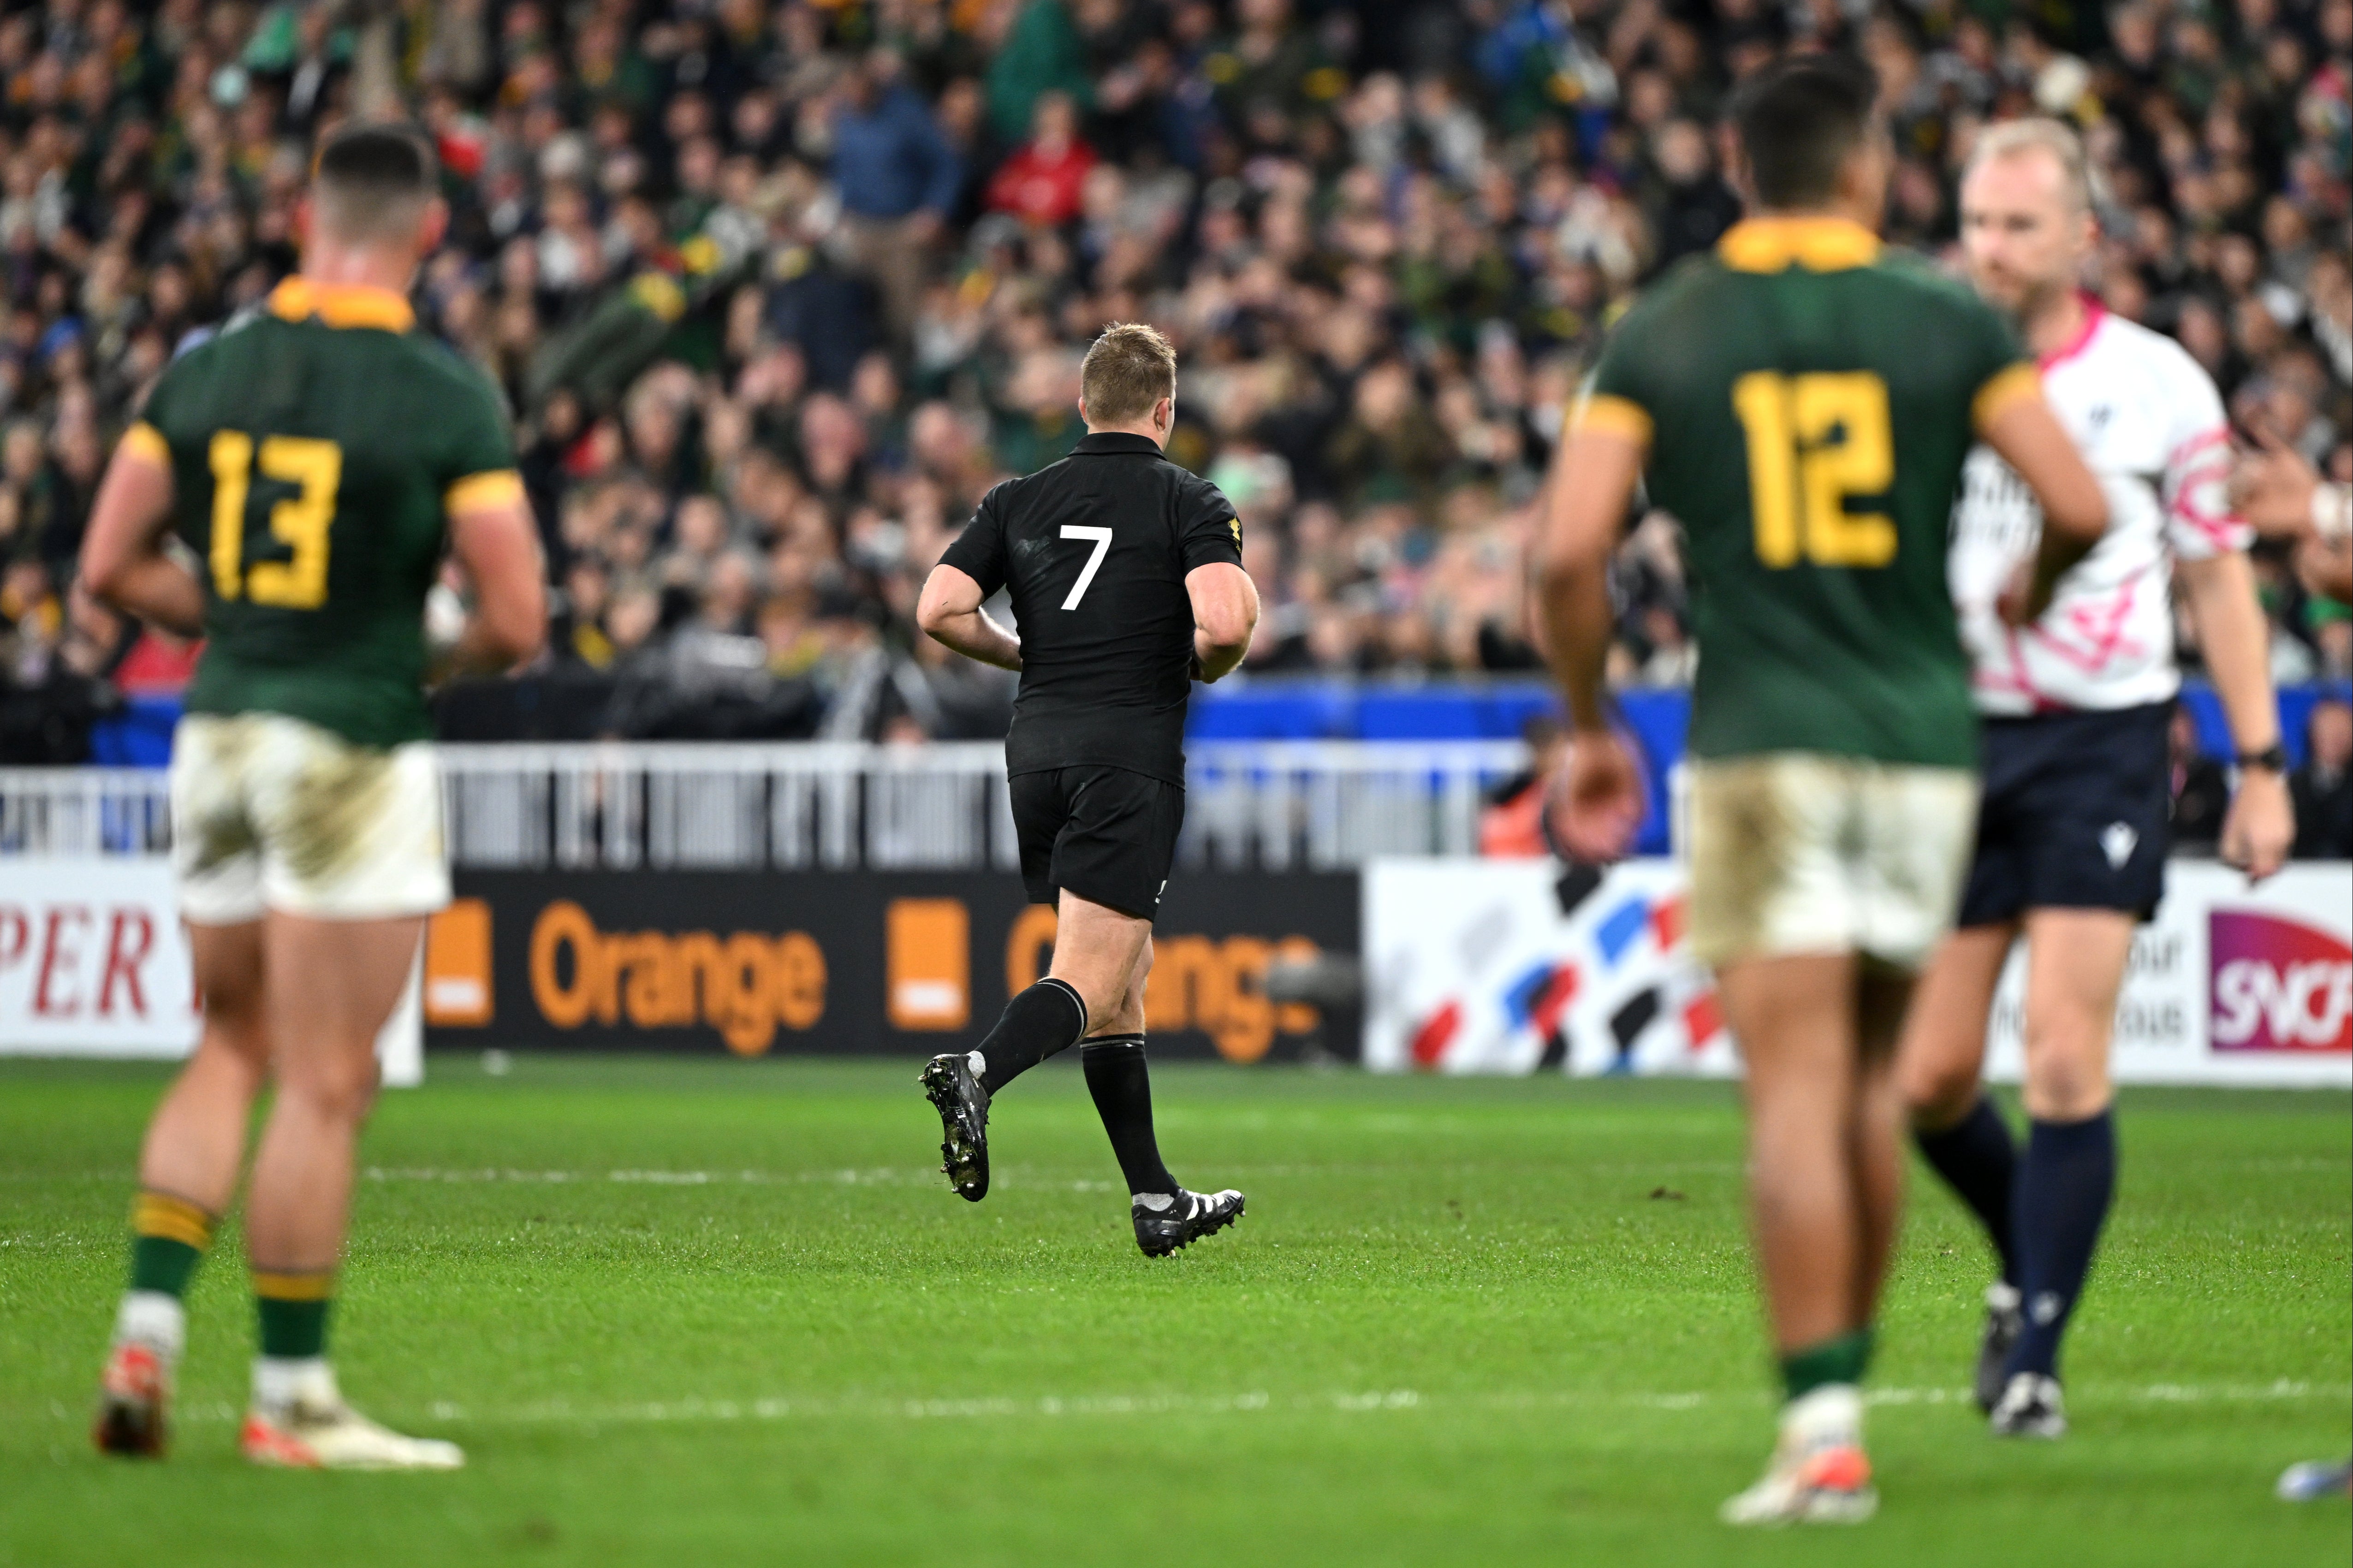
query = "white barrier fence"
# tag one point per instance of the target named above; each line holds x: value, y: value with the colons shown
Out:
x: 1510, y: 967
x: 1315, y: 806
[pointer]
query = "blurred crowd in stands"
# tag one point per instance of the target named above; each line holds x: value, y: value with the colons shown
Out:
x: 777, y: 288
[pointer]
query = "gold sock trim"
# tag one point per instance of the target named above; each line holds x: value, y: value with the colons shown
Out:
x: 173, y: 1219
x: 275, y: 1287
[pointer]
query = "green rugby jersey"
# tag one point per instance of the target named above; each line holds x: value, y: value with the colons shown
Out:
x: 1807, y: 403
x: 316, y: 447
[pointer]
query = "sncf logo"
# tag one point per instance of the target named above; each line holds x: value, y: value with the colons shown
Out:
x: 2279, y: 985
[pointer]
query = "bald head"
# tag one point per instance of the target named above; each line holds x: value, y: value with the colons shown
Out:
x: 2038, y: 138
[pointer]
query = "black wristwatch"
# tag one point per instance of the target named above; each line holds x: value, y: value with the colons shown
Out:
x: 2271, y: 759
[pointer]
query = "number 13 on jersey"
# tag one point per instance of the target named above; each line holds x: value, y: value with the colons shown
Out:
x: 1101, y: 537
x: 1815, y: 441
x: 301, y: 521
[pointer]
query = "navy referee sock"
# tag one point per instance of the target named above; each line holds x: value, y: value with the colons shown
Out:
x: 1121, y: 1087
x: 2064, y: 1184
x: 1048, y: 1017
x: 1978, y: 1162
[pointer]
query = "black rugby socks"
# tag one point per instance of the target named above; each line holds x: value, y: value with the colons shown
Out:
x: 1978, y: 1162
x: 1048, y: 1017
x: 1121, y: 1087
x: 2064, y: 1184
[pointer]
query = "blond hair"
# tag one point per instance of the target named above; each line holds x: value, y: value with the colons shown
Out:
x: 1127, y: 372
x: 2039, y: 133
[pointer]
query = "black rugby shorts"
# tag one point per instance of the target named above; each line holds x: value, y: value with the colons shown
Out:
x: 1108, y: 835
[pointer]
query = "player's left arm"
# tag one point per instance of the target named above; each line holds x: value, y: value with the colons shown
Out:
x: 1585, y: 508
x: 2014, y: 419
x: 124, y: 560
x: 2218, y: 586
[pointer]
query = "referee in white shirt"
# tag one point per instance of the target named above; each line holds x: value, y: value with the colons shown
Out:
x: 2072, y: 833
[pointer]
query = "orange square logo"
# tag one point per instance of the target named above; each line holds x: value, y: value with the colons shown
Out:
x: 928, y: 978
x: 458, y: 966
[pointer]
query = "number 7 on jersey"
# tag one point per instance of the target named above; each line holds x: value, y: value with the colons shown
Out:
x: 1102, y: 536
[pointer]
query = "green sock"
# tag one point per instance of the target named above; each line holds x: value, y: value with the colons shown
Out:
x: 293, y: 1310
x: 168, y: 1237
x: 1841, y: 1360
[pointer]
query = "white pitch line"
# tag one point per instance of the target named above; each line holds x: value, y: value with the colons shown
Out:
x: 883, y: 1176
x: 1053, y: 1406
x: 879, y: 1177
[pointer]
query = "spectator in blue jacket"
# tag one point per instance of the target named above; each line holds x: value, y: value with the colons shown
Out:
x: 897, y: 179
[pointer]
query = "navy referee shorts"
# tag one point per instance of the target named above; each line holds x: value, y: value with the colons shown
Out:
x: 2074, y: 815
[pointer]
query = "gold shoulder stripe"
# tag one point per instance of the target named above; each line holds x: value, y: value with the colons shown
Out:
x: 1607, y: 414
x: 2002, y: 389
x: 276, y: 1287
x: 1817, y: 244
x: 143, y: 440
x: 500, y: 487
x: 299, y: 298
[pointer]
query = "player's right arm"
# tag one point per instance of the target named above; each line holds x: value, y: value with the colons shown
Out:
x: 2279, y: 491
x: 1225, y: 617
x: 492, y: 538
x: 2015, y: 419
x: 123, y: 561
x: 1224, y: 599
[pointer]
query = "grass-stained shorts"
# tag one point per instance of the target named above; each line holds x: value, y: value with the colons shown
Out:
x: 272, y: 813
x: 1794, y: 852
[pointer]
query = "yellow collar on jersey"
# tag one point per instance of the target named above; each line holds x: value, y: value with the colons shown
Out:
x: 342, y: 305
x: 1816, y: 244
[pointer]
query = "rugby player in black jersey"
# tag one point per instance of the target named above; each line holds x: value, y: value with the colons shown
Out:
x: 1125, y: 575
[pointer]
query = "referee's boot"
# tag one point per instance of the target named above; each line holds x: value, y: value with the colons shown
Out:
x: 1166, y: 1223
x: 2031, y: 1406
x: 2005, y: 1320
x: 954, y: 1089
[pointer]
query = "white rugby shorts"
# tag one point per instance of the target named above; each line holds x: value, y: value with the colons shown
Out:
x: 1794, y: 852
x: 272, y: 813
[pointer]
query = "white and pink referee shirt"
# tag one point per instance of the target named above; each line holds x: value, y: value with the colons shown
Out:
x: 2151, y: 426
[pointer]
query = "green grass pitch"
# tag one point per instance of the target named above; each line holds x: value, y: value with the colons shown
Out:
x: 691, y: 1312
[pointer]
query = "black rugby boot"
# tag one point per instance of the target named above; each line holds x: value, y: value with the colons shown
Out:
x: 952, y: 1087
x: 1164, y: 1224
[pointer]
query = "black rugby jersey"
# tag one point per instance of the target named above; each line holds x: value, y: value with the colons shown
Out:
x: 1093, y: 551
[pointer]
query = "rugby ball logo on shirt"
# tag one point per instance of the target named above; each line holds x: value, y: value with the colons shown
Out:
x: 2278, y: 985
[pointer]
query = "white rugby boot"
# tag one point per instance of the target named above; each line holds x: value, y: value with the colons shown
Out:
x: 1820, y: 1474
x: 308, y: 1426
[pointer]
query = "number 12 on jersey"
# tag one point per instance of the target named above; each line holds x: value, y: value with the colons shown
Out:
x: 1815, y: 441
x: 1102, y: 536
